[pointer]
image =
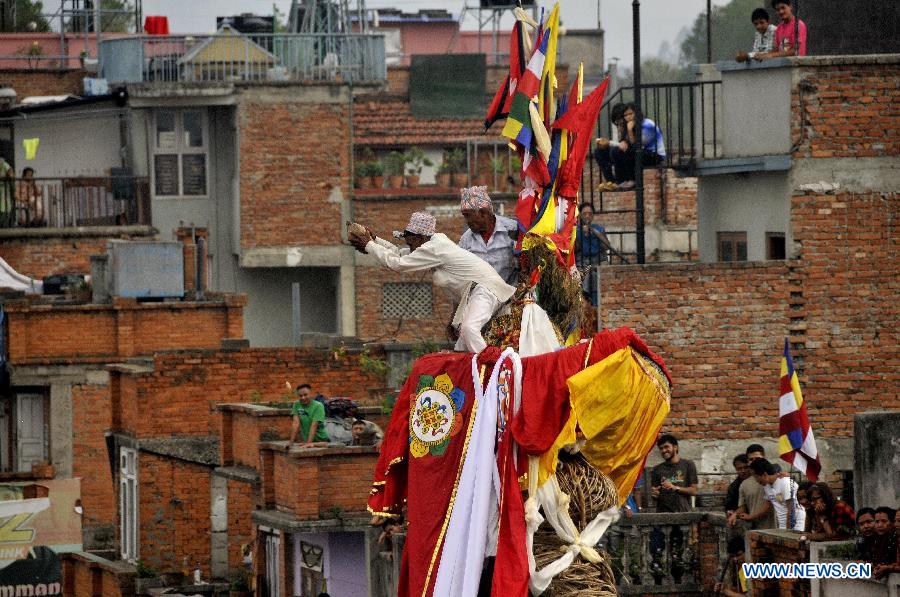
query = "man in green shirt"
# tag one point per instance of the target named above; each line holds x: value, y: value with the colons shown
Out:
x: 308, y: 418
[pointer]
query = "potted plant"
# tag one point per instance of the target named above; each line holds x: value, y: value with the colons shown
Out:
x: 376, y: 172
x: 363, y: 177
x: 498, y: 169
x: 80, y: 293
x: 394, y: 165
x: 442, y: 178
x: 239, y: 584
x: 457, y: 165
x: 416, y: 159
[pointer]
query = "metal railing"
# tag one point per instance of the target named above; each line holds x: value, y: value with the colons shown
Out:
x: 689, y: 116
x: 236, y: 57
x: 74, y: 201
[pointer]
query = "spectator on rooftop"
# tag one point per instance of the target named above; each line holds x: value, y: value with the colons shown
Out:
x: 602, y: 153
x: 673, y: 482
x: 622, y: 156
x: 781, y: 496
x: 308, y: 419
x: 590, y: 250
x: 785, y: 32
x: 833, y: 520
x: 29, y: 205
x: 865, y: 539
x: 763, y: 41
x: 885, y: 569
x: 366, y: 433
x: 752, y: 498
x: 803, y: 497
x: 884, y: 552
x: 7, y: 196
x: 742, y: 469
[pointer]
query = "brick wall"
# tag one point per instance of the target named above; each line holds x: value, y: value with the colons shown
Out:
x: 848, y: 110
x: 719, y: 327
x: 242, y: 501
x: 292, y: 154
x: 99, y: 332
x: 778, y: 546
x: 174, y: 513
x: 196, y: 382
x: 243, y: 426
x: 87, y: 575
x: 90, y: 461
x: 38, y: 257
x: 668, y: 199
x: 847, y: 308
x: 29, y: 82
x: 318, y: 483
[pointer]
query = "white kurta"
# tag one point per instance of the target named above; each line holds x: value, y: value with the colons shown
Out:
x: 455, y: 270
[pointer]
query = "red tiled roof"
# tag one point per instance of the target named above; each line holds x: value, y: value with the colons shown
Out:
x: 388, y: 122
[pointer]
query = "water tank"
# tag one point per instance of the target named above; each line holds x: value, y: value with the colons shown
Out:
x: 145, y: 269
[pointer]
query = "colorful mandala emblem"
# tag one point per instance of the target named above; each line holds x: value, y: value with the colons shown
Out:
x: 435, y: 415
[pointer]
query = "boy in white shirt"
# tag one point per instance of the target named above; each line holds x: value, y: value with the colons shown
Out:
x: 763, y: 41
x: 781, y: 495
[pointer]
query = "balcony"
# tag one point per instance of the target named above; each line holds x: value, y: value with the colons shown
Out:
x: 229, y: 56
x: 75, y: 202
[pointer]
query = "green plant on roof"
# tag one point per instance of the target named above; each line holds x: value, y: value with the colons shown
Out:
x: 395, y: 163
x: 416, y: 159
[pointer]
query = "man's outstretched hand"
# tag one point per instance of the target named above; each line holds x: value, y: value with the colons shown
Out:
x: 359, y: 241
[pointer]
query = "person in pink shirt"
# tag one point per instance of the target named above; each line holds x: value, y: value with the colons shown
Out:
x: 786, y: 31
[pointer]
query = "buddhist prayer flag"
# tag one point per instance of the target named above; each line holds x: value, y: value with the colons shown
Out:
x: 796, y: 443
x: 502, y: 102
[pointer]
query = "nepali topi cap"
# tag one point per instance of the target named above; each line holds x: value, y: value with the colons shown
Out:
x: 475, y: 198
x: 420, y: 223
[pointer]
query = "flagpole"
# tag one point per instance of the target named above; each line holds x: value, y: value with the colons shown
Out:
x: 638, y: 150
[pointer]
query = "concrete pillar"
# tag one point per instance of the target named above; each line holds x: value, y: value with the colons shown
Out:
x: 61, y: 429
x: 219, y: 526
x: 876, y: 452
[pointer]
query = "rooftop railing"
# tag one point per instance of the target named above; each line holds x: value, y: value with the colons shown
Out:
x: 74, y: 202
x: 229, y: 56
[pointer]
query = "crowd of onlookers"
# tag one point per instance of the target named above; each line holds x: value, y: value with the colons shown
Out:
x: 317, y: 421
x: 762, y: 496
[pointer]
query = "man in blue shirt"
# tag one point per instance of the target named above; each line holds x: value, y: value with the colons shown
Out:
x: 590, y: 250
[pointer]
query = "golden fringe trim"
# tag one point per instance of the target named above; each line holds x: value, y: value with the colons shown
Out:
x: 657, y: 377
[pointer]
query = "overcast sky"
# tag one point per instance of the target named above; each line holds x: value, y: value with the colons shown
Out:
x: 660, y: 19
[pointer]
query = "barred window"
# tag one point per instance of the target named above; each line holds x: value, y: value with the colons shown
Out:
x: 410, y: 300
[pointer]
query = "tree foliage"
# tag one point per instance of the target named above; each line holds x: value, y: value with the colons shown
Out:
x: 654, y: 70
x: 732, y: 31
x: 23, y: 16
x: 109, y: 21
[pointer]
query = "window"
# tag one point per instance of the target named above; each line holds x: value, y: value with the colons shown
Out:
x: 410, y: 300
x: 775, y: 245
x: 128, y: 503
x: 732, y: 246
x: 180, y: 152
x: 273, y: 557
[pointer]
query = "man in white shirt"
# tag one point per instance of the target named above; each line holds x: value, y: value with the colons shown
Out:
x: 470, y: 281
x: 489, y: 236
x: 781, y: 495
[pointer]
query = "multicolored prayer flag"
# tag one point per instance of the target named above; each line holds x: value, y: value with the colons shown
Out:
x: 796, y: 443
x: 502, y: 101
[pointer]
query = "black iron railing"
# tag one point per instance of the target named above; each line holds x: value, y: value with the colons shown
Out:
x: 74, y: 201
x: 688, y: 117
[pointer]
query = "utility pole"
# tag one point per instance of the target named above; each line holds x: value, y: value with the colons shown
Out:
x: 709, y: 31
x: 638, y: 149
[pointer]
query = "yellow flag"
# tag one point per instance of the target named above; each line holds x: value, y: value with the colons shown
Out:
x: 31, y: 147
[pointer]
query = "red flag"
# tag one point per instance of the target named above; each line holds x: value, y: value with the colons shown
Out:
x: 579, y: 120
x: 503, y: 98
